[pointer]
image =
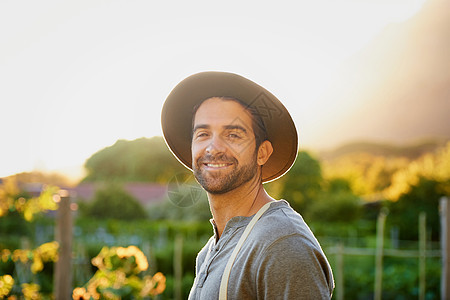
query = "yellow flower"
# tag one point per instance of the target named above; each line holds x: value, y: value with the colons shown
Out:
x: 117, y: 267
x: 48, y: 251
x: 141, y: 261
x: 140, y: 258
x: 6, y: 284
x: 121, y: 252
x: 97, y: 261
x: 7, y: 279
x: 118, y: 279
x: 153, y: 285
x: 81, y: 294
x: 6, y: 254
x: 21, y: 255
x: 31, y: 291
x: 93, y: 284
x: 160, y: 280
x: 37, y: 265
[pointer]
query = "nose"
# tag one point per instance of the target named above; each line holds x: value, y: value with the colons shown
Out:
x: 215, y: 146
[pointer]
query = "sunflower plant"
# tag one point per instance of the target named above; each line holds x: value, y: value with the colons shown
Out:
x: 120, y: 275
x: 34, y: 261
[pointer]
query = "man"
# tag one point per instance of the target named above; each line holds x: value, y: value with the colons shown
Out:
x: 235, y: 135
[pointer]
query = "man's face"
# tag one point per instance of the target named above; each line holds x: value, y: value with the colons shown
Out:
x: 223, y: 146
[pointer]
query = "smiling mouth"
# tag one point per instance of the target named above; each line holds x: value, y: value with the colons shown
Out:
x: 217, y: 165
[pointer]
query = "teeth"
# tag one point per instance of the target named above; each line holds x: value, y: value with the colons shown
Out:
x: 216, y: 165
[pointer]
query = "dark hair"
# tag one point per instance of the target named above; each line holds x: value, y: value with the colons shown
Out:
x: 258, y: 126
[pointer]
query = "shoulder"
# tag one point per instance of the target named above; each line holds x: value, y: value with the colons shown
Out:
x: 285, y: 235
x: 280, y: 223
x: 289, y: 251
x: 298, y: 266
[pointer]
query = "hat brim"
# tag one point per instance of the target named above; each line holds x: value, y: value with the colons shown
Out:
x: 177, y: 114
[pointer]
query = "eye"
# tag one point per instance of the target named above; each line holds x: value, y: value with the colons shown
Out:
x: 201, y: 134
x: 234, y: 135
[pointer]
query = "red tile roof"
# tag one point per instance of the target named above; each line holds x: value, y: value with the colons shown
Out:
x: 145, y: 193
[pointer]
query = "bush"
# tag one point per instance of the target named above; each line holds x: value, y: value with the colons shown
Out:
x: 339, y: 207
x: 167, y: 210
x: 422, y: 197
x: 114, y: 202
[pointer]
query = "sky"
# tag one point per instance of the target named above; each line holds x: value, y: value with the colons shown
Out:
x: 76, y: 76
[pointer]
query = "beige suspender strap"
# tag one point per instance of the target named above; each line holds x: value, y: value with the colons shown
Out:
x: 226, y: 272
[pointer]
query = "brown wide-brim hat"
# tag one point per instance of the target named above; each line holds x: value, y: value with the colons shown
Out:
x: 177, y: 114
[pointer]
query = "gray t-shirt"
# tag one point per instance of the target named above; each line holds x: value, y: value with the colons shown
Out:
x: 281, y: 259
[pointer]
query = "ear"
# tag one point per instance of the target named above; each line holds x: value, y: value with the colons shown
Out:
x: 264, y: 152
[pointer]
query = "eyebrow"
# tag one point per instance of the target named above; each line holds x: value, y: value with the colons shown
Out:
x: 227, y: 127
x: 200, y: 126
x: 235, y: 127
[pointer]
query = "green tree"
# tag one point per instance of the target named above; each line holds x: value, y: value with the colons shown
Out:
x: 141, y: 160
x: 114, y: 202
x: 336, y: 203
x: 168, y: 210
x: 303, y: 183
x: 434, y: 166
x: 422, y: 197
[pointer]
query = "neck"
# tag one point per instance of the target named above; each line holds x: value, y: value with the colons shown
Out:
x: 244, y: 201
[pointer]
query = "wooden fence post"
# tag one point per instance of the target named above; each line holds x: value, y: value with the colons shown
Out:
x: 422, y: 254
x: 378, y: 288
x: 340, y: 272
x: 445, y: 249
x: 63, y: 235
x: 178, y: 267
